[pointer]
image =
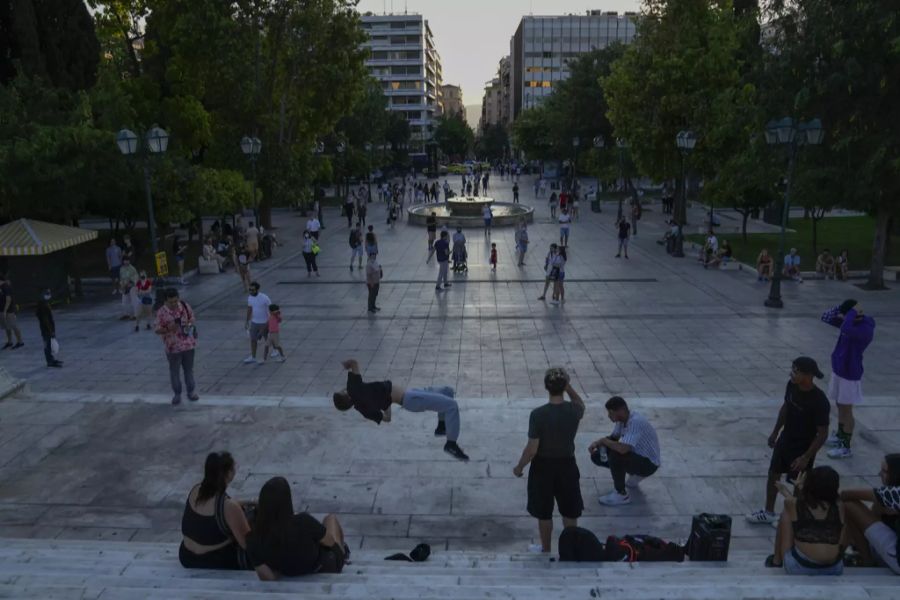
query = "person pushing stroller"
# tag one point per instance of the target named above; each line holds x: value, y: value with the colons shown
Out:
x: 460, y: 255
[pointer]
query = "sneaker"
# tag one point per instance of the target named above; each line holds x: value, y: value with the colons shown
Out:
x: 446, y: 285
x: 761, y: 517
x: 19, y: 345
x: 455, y: 451
x: 535, y: 548
x: 614, y: 498
x: 55, y: 363
x: 275, y: 354
x: 176, y: 400
x: 437, y: 288
x: 7, y: 345
x: 136, y: 328
x: 833, y: 440
x: 280, y: 359
x: 841, y: 452
x: 193, y: 397
x: 260, y: 361
x: 554, y: 302
x: 541, y: 298
x: 618, y: 256
x: 634, y: 481
x: 441, y: 429
x: 249, y: 360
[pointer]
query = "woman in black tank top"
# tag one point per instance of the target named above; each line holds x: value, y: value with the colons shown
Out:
x: 214, y: 526
x: 808, y: 541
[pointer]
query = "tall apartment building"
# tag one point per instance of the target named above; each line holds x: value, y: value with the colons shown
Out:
x: 491, y: 105
x: 542, y: 45
x: 453, y: 101
x: 403, y: 57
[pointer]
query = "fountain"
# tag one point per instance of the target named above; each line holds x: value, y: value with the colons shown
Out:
x: 467, y: 211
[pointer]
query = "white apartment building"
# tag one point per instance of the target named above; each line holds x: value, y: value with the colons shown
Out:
x: 404, y: 59
x: 542, y: 46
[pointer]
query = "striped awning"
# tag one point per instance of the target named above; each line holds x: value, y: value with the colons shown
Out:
x: 27, y: 237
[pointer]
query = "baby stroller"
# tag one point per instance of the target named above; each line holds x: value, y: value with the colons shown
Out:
x: 460, y: 257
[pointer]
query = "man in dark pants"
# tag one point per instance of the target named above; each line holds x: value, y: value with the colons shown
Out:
x: 632, y: 449
x: 799, y: 432
x: 48, y: 327
x: 175, y: 325
x: 373, y: 280
x: 551, y: 451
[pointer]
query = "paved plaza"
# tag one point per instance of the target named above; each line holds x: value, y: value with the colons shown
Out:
x: 95, y: 450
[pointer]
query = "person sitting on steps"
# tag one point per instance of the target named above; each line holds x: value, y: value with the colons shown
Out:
x: 284, y: 544
x: 873, y: 532
x: 825, y: 264
x: 763, y: 265
x: 808, y: 540
x: 631, y: 449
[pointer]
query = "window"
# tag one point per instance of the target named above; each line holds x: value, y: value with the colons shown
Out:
x: 545, y: 84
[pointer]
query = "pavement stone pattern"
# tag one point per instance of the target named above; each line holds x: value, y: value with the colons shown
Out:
x: 96, y: 451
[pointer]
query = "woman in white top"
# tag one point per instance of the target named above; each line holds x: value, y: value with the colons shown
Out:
x: 558, y: 274
x: 564, y: 221
x: 310, y: 250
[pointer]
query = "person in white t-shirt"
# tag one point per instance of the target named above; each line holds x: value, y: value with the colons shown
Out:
x: 313, y: 226
x: 257, y: 322
x: 709, y: 250
x: 564, y: 222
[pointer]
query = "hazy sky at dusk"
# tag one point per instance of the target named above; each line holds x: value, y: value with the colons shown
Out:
x: 472, y: 35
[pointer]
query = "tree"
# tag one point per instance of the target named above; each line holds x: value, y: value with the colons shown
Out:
x: 454, y: 136
x: 493, y: 143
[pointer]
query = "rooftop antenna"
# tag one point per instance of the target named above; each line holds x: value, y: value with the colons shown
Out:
x: 405, y: 8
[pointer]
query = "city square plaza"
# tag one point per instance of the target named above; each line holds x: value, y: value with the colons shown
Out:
x: 95, y: 459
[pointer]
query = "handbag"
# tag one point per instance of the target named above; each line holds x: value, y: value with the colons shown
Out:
x: 315, y: 248
x: 54, y: 347
x: 190, y: 330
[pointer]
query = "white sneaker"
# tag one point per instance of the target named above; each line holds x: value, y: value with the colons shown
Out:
x: 761, y: 517
x: 840, y: 453
x: 833, y: 440
x: 260, y: 361
x: 275, y: 354
x: 634, y: 481
x: 280, y: 359
x: 535, y: 548
x: 614, y: 498
x: 249, y: 360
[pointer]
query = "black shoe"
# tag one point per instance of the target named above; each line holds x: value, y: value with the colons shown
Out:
x: 441, y: 429
x: 377, y: 308
x: 55, y: 363
x: 372, y: 310
x: 193, y: 397
x: 19, y: 345
x: 455, y: 451
x: 446, y: 285
x: 137, y: 328
x: 176, y: 400
x: 148, y: 327
x: 7, y: 345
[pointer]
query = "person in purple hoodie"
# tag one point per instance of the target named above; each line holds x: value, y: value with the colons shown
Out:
x: 845, y: 386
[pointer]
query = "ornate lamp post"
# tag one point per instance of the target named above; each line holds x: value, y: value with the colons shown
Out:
x: 599, y: 144
x: 251, y: 147
x: 685, y: 141
x: 156, y: 142
x: 621, y: 144
x: 788, y: 132
x: 575, y: 143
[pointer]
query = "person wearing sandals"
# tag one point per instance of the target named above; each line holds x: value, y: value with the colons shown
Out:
x: 214, y: 527
x: 284, y: 544
x: 874, y: 531
x: 808, y: 540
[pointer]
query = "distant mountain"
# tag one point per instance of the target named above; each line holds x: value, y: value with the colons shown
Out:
x: 473, y: 115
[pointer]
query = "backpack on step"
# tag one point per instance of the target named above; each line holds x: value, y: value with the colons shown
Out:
x: 642, y: 548
x: 577, y: 544
x: 710, y: 537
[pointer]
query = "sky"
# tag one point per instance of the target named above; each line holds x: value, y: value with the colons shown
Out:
x: 473, y: 35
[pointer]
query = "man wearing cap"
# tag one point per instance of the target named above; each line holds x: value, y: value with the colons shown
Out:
x: 553, y: 474
x: 799, y: 432
x: 845, y: 386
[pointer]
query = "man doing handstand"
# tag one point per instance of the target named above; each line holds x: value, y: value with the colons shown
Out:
x: 374, y: 400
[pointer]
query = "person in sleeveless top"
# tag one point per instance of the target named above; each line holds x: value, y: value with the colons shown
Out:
x: 873, y: 518
x: 214, y: 527
x: 808, y: 541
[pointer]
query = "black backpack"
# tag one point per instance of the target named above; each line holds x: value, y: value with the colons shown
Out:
x: 642, y: 548
x: 710, y: 537
x: 577, y: 544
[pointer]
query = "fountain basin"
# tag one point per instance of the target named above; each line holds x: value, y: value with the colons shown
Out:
x: 505, y: 214
x: 468, y: 205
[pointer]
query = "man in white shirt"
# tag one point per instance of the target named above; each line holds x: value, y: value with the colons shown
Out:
x: 792, y: 266
x: 631, y: 449
x: 564, y: 222
x: 313, y: 226
x: 257, y: 320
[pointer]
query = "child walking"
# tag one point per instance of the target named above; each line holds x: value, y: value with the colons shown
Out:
x: 274, y: 339
x: 493, y: 259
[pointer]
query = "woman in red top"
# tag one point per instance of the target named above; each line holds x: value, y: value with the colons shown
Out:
x: 144, y: 307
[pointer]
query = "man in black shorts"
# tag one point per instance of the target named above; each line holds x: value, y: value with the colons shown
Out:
x: 551, y: 451
x: 800, y: 431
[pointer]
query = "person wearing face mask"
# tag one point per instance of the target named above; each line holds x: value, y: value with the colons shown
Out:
x: 48, y: 327
x: 143, y: 308
x: 257, y: 323
x: 309, y: 253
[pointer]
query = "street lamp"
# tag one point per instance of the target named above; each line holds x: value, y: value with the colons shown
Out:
x: 251, y: 147
x: 599, y: 143
x: 575, y: 143
x: 369, y: 148
x: 157, y: 142
x: 621, y: 144
x: 318, y: 148
x: 685, y: 141
x: 792, y: 134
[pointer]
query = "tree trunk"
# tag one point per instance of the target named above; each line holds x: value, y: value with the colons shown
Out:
x: 745, y: 216
x: 815, y: 236
x: 879, y: 247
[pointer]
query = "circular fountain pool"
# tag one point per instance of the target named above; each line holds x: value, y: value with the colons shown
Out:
x: 466, y: 211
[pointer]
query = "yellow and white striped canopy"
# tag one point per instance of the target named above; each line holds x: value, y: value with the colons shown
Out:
x: 27, y: 237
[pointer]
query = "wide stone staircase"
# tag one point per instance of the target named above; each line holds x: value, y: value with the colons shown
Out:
x: 57, y: 569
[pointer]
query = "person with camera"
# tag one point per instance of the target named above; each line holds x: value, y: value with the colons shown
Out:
x: 550, y: 450
x: 176, y: 326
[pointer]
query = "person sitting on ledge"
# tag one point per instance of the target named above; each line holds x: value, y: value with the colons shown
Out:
x: 283, y: 544
x: 763, y: 265
x: 792, y: 266
x: 808, y: 540
x: 842, y: 265
x: 873, y: 531
x: 213, y: 526
x: 631, y: 449
x: 374, y: 401
x: 825, y: 264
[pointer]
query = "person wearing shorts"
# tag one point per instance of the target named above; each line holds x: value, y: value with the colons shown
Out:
x: 488, y: 216
x: 356, y: 247
x: 273, y: 339
x: 874, y: 531
x: 564, y: 223
x: 553, y: 474
x: 845, y: 386
x: 257, y: 322
x: 799, y: 432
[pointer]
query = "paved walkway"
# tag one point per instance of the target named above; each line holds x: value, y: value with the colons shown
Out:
x: 97, y: 451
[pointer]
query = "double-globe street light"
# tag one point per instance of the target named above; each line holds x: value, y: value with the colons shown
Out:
x: 156, y: 142
x: 793, y: 134
x: 686, y: 140
x: 251, y: 146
